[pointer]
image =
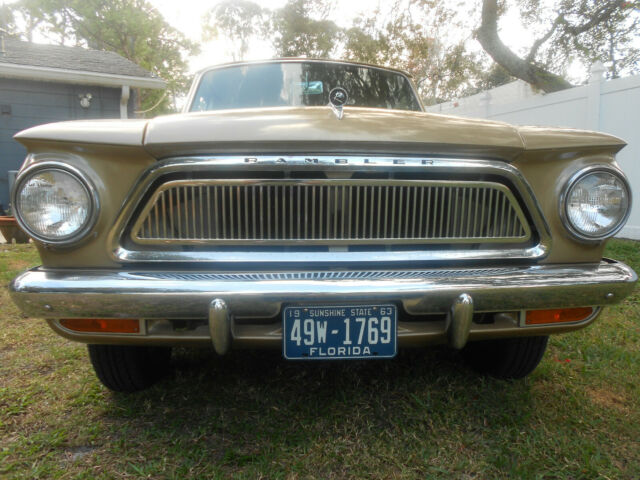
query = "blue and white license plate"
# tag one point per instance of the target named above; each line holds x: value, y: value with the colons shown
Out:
x: 335, y: 332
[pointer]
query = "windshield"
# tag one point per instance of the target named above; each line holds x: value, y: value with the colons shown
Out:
x: 301, y: 84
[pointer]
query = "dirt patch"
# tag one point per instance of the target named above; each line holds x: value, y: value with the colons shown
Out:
x: 76, y: 453
x: 17, y: 264
x: 608, y: 399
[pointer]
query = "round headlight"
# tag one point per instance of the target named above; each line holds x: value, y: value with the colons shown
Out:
x: 596, y: 203
x: 54, y: 205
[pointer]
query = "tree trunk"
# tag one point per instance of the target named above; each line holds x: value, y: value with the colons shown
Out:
x: 536, y: 76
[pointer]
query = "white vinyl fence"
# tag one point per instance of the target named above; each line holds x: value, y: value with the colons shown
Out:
x: 608, y: 106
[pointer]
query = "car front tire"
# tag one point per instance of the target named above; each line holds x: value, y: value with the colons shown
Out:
x: 129, y: 368
x: 507, y: 358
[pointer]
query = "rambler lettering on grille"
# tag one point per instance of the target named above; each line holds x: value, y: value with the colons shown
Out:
x: 289, y: 212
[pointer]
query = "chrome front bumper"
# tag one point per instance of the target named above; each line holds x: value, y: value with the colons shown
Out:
x: 188, y: 295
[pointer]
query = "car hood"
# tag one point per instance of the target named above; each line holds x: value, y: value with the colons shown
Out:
x: 318, y: 130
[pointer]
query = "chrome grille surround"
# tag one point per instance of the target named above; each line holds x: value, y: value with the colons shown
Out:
x: 336, y: 168
x: 329, y: 212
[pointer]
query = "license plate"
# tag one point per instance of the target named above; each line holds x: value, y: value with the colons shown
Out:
x: 335, y: 332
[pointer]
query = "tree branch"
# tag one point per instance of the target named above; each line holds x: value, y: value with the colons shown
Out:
x: 605, y: 12
x: 520, y: 68
x: 531, y: 56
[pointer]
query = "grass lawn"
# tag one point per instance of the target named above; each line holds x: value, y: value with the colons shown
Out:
x: 252, y: 415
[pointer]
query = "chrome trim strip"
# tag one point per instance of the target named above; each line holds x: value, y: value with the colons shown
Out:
x: 335, y: 166
x: 562, y: 201
x: 122, y: 294
x: 86, y: 183
x: 147, y: 227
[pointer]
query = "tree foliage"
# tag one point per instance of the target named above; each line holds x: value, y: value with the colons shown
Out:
x: 237, y: 21
x: 434, y: 39
x: 131, y: 28
x: 411, y: 39
x: 301, y: 28
x: 416, y: 38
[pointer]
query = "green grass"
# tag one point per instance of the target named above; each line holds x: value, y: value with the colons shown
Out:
x: 253, y: 415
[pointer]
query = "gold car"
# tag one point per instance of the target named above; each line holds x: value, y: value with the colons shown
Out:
x: 312, y: 206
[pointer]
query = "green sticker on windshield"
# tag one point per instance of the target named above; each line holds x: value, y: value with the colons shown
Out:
x: 311, y: 88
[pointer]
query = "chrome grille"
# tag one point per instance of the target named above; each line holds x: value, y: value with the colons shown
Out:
x: 282, y: 212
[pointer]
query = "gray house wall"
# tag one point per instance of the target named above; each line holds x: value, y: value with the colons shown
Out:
x: 26, y: 103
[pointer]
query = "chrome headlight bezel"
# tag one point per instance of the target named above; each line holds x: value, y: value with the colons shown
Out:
x: 94, y: 203
x: 564, y: 197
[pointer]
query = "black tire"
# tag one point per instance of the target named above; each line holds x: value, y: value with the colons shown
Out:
x: 508, y: 358
x: 129, y: 368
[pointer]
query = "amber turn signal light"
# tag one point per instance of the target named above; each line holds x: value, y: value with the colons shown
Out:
x: 102, y: 325
x: 559, y: 315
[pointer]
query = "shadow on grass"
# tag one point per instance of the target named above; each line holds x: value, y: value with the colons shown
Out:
x: 248, y: 406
